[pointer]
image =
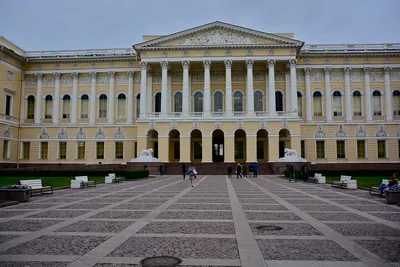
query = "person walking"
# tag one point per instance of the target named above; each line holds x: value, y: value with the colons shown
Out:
x: 192, y: 173
x: 304, y: 173
x: 244, y: 169
x: 291, y: 173
x: 230, y: 171
x: 255, y: 169
x: 183, y: 167
x: 239, y: 171
x: 161, y: 169
x: 250, y: 168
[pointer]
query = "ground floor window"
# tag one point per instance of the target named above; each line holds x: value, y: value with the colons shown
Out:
x: 62, y: 150
x: 260, y: 149
x: 381, y: 149
x: 26, y: 148
x: 6, y: 149
x: 119, y: 150
x: 177, y: 152
x: 100, y: 150
x: 398, y: 147
x: 44, y: 149
x: 303, y: 149
x: 320, y: 149
x: 197, y: 150
x: 361, y: 149
x: 239, y: 149
x: 81, y: 150
x: 135, y: 149
x: 340, y: 149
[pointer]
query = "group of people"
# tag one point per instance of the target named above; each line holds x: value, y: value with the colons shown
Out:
x: 244, y: 170
x: 303, y: 173
x: 392, y: 185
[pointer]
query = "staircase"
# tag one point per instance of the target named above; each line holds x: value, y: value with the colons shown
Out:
x: 216, y: 168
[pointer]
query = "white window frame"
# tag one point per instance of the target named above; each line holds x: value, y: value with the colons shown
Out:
x: 11, y: 103
x: 58, y: 150
x: 386, y: 148
x: 115, y: 149
x: 77, y: 152
x: 366, y: 148
x: 316, y: 155
x: 345, y: 149
x: 104, y: 156
x: 8, y: 148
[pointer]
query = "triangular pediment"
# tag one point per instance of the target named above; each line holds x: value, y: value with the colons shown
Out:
x: 218, y: 34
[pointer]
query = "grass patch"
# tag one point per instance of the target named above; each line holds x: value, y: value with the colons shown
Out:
x: 362, y: 181
x: 54, y: 181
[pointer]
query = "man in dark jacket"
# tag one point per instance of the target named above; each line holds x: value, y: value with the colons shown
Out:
x: 239, y: 171
x: 255, y: 169
x: 291, y: 173
x: 183, y: 167
x: 230, y: 171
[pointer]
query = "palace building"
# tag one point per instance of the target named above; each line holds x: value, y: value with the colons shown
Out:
x: 214, y: 93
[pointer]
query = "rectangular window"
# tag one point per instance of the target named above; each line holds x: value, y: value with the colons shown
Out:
x: 381, y: 149
x: 62, y: 150
x: 8, y: 105
x: 26, y: 148
x: 303, y: 149
x: 44, y: 148
x: 320, y: 149
x: 10, y: 76
x: 119, y: 150
x: 81, y: 150
x: 6, y: 149
x: 239, y: 150
x: 361, y: 149
x: 260, y: 149
x: 100, y: 150
x: 177, y: 150
x: 135, y: 150
x: 340, y: 149
x: 197, y: 150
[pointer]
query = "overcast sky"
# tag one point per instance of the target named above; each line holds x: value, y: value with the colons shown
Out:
x: 81, y: 24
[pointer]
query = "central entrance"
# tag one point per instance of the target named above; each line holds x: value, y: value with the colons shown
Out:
x: 218, y: 146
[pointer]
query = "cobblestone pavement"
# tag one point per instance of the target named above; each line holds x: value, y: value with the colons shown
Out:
x: 264, y: 221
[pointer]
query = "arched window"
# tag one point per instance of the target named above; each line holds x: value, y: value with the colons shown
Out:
x: 396, y: 102
x: 238, y: 102
x: 198, y: 102
x: 138, y: 106
x: 66, y: 107
x: 278, y: 101
x: 376, y: 96
x: 103, y: 106
x: 178, y: 102
x: 48, y: 107
x: 317, y: 101
x: 300, y: 104
x: 337, y: 104
x: 357, y: 109
x: 121, y: 106
x: 30, y: 114
x: 84, y: 107
x: 218, y: 104
x: 258, y: 101
x: 157, y: 103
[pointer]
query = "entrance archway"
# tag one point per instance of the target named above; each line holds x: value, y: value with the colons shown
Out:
x: 284, y: 141
x: 196, y: 154
x: 218, y: 149
x: 240, y: 146
x: 262, y: 145
x: 152, y: 142
x: 174, y: 146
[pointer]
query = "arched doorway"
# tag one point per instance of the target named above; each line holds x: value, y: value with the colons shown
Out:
x: 218, y: 146
x: 174, y: 146
x: 196, y: 154
x: 284, y: 141
x: 240, y: 146
x: 152, y: 142
x: 262, y: 145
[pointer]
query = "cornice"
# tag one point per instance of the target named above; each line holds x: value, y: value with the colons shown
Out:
x: 83, y: 60
x: 351, y: 55
x: 196, y: 47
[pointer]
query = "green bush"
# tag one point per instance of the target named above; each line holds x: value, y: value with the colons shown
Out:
x: 71, y: 173
x: 337, y: 173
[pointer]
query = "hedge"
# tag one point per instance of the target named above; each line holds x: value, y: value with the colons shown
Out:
x: 136, y: 174
x: 354, y: 173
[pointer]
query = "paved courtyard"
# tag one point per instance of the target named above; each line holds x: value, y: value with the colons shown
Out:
x: 216, y: 223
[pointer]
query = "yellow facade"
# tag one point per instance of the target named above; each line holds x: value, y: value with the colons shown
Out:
x: 343, y: 108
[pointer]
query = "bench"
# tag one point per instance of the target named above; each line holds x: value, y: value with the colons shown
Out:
x: 111, y: 178
x: 37, y: 186
x: 345, y: 182
x: 318, y: 178
x: 392, y: 196
x: 83, y: 181
x: 374, y: 190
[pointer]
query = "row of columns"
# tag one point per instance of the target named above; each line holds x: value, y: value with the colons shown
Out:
x: 270, y: 86
x: 348, y: 95
x: 74, y: 98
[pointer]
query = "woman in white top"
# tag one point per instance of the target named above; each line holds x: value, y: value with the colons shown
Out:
x: 192, y: 173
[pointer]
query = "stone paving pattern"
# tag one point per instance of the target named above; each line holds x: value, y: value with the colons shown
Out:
x: 120, y: 224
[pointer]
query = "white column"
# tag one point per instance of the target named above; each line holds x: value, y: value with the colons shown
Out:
x: 111, y: 98
x: 250, y: 89
x: 56, y: 103
x: 149, y: 100
x: 129, y: 118
x: 293, y: 88
x: 143, y: 89
x: 164, y: 88
x: 228, y: 87
x: 368, y: 102
x: 185, y: 89
x: 92, y: 115
x: 347, y: 96
x: 207, y: 93
x: 74, y: 99
x: 328, y: 96
x: 271, y: 88
x: 308, y: 94
x: 388, y: 95
x: 288, y: 90
x: 38, y: 100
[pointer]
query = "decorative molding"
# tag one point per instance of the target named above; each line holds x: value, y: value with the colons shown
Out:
x: 347, y: 71
x: 85, y: 81
x: 100, y: 134
x: 317, y: 76
x: 271, y: 63
x: 81, y: 134
x: 207, y: 54
x: 173, y: 124
x: 240, y: 124
x: 218, y: 124
x: 152, y: 125
x: 217, y: 78
x: 300, y: 76
x: 197, y: 77
x: 376, y: 76
x: 357, y: 76
x: 367, y: 70
x: 164, y: 65
x: 271, y: 52
x: 103, y: 80
x: 143, y: 65
x: 122, y: 79
x: 62, y: 134
x: 157, y: 78
x: 280, y: 76
x: 177, y: 78
x: 258, y: 76
x: 361, y: 133
x: 66, y: 81
x: 196, y: 124
x: 31, y: 82
x: 238, y: 77
x: 320, y: 134
x: 228, y: 63
x: 186, y: 64
x: 395, y: 76
x: 218, y: 37
x: 7, y: 132
x: 262, y: 124
x: 336, y: 76
x: 340, y: 134
x: 119, y: 134
x: 43, y: 134
x: 207, y: 64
